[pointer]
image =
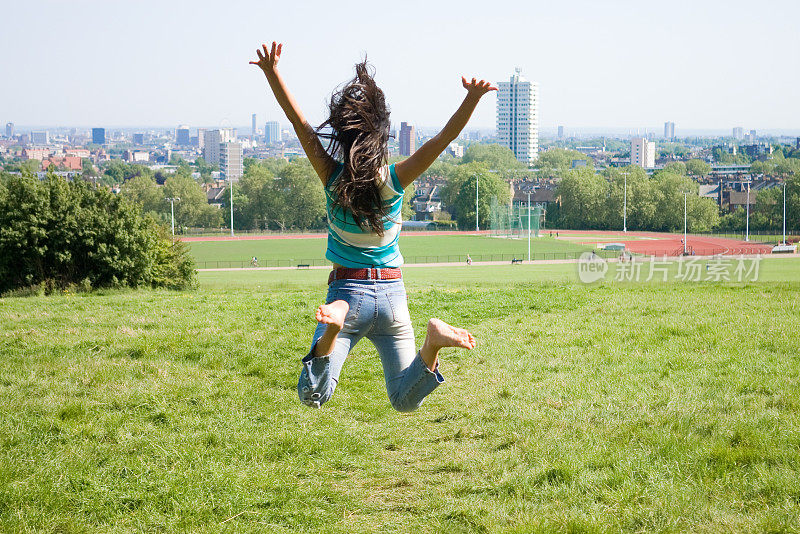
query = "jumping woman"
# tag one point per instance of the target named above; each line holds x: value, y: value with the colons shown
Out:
x: 366, y: 295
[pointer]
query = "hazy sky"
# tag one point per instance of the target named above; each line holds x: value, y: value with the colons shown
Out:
x: 632, y: 64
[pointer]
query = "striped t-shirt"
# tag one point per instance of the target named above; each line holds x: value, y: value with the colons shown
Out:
x: 350, y: 245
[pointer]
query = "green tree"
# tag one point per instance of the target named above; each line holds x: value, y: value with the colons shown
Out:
x: 697, y: 167
x: 676, y: 167
x: 494, y: 157
x: 59, y: 233
x: 641, y: 204
x: 193, y: 208
x: 583, y: 199
x: 143, y: 191
x: 459, y: 194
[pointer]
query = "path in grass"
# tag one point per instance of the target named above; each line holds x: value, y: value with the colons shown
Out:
x: 602, y: 408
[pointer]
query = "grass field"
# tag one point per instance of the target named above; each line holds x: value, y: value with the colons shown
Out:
x: 416, y: 249
x: 585, y: 408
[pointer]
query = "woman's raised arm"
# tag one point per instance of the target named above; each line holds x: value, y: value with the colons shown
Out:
x: 268, y: 62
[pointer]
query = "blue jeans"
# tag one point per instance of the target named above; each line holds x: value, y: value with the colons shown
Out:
x: 379, y: 312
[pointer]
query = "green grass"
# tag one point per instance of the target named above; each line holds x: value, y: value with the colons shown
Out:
x: 601, y: 408
x: 416, y: 249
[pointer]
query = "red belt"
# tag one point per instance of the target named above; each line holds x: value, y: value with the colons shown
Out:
x: 344, y: 273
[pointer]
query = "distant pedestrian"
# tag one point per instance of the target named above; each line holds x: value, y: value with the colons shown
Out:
x: 469, y: 260
x: 364, y: 197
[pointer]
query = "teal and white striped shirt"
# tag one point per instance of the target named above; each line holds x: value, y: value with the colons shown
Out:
x: 350, y: 245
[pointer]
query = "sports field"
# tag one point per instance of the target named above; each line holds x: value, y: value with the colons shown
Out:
x: 415, y: 248
x: 610, y: 407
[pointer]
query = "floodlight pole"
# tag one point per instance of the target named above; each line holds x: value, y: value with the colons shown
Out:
x: 529, y: 226
x: 230, y: 179
x: 172, y: 211
x: 784, y: 212
x: 747, y: 221
x: 476, y: 204
x: 684, y: 222
x: 625, y: 205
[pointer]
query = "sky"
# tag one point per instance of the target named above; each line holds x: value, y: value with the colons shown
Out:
x: 703, y: 64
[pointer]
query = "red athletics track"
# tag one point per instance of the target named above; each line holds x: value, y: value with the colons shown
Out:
x: 658, y: 244
x: 309, y: 236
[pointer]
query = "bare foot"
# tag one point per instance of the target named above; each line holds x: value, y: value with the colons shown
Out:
x: 333, y: 315
x: 440, y: 335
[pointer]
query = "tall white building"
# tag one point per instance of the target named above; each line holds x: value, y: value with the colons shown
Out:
x: 643, y: 152
x: 230, y: 160
x: 212, y: 141
x: 518, y: 117
x: 272, y: 133
x: 669, y: 130
x: 738, y: 133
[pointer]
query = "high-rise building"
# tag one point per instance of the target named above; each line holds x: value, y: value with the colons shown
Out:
x: 669, y: 130
x: 213, y: 140
x: 408, y: 139
x: 272, y: 133
x: 752, y: 137
x: 230, y: 160
x: 797, y: 143
x: 99, y: 136
x: 561, y: 132
x: 201, y: 138
x: 138, y: 139
x: 9, y: 130
x: 40, y: 138
x: 253, y: 127
x: 643, y: 152
x: 182, y: 136
x: 518, y: 117
x: 738, y: 133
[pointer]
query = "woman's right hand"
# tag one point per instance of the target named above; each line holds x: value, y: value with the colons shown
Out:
x: 477, y: 88
x: 268, y: 60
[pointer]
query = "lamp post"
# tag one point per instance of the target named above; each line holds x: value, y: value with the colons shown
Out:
x: 529, y: 226
x: 230, y: 179
x: 784, y: 213
x: 747, y: 220
x: 476, y: 203
x: 172, y: 211
x: 625, y: 205
x: 684, y: 222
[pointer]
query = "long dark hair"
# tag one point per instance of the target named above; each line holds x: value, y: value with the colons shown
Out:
x: 358, y: 134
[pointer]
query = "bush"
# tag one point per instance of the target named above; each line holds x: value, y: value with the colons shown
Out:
x: 57, y: 234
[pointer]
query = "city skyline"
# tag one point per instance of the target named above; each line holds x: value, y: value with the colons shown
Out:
x: 160, y: 71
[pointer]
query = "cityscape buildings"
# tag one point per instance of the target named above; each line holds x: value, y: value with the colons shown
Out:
x: 738, y: 133
x: 182, y: 136
x: 518, y: 117
x: 669, y: 130
x: 40, y: 138
x: 138, y: 139
x: 9, y: 130
x: 408, y: 139
x: 253, y: 126
x: 272, y: 133
x: 99, y: 136
x: 561, y: 132
x: 643, y: 152
x: 213, y: 140
x: 230, y: 160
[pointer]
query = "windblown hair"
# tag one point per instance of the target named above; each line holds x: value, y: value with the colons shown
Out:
x: 358, y: 134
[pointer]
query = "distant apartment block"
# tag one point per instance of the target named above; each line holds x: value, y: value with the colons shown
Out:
x: 182, y: 136
x: 213, y: 139
x: 643, y: 153
x: 272, y: 133
x: 518, y: 117
x: 408, y: 139
x: 40, y: 138
x: 669, y: 130
x: 136, y: 156
x: 138, y: 139
x: 253, y: 128
x: 752, y: 137
x: 738, y: 133
x: 561, y: 132
x: 9, y: 130
x: 99, y: 136
x: 230, y: 160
